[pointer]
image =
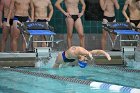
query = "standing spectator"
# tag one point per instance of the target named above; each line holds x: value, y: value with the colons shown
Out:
x: 108, y: 6
x: 73, y: 19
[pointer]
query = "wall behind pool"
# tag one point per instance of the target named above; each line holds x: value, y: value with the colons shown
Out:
x: 92, y: 29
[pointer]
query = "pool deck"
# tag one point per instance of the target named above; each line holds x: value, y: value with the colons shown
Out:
x: 28, y: 59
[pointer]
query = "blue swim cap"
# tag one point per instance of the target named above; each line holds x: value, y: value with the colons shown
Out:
x: 82, y: 64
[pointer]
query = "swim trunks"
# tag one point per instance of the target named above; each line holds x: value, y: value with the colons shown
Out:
x: 74, y: 17
x: 41, y: 20
x: 136, y: 22
x: 10, y: 22
x: 108, y: 19
x: 66, y: 59
x: 21, y: 18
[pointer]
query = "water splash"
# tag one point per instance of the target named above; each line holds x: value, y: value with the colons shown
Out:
x: 43, y: 62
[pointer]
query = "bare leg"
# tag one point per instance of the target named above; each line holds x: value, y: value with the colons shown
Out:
x: 5, y: 33
x: 69, y: 23
x: 35, y: 38
x: 43, y: 39
x: 15, y: 36
x: 79, y: 28
x: 103, y: 41
x: 11, y: 45
x: 24, y: 43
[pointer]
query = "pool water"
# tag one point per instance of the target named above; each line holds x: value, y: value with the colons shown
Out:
x: 14, y: 82
x: 109, y: 74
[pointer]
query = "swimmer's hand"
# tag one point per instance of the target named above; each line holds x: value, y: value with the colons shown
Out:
x: 128, y: 20
x: 48, y: 19
x: 67, y: 14
x: 7, y: 24
x: 19, y: 23
x: 108, y: 56
x: 80, y: 14
x: 90, y: 56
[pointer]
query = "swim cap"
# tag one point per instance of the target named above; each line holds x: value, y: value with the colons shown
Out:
x: 82, y: 64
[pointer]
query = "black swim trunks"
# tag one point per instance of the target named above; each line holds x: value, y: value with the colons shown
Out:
x: 21, y: 18
x: 136, y: 22
x: 66, y: 59
x: 41, y: 20
x: 10, y: 22
x: 109, y: 19
x: 74, y: 17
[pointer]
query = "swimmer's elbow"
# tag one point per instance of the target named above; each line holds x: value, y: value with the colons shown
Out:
x: 118, y: 7
x: 103, y: 8
x: 123, y: 11
x: 57, y: 5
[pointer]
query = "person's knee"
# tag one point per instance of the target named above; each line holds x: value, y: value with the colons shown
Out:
x: 104, y: 33
x: 5, y: 28
x: 69, y: 36
x: 4, y: 37
x: 81, y: 36
x: 15, y: 36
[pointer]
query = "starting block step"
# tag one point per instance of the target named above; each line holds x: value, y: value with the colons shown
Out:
x: 115, y: 60
x: 128, y: 48
x: 43, y: 51
x: 11, y: 55
x: 17, y: 59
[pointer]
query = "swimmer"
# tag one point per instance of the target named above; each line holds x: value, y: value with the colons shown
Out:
x: 134, y: 12
x: 6, y: 30
x: 108, y: 7
x: 21, y: 14
x: 77, y: 54
x: 73, y: 19
x: 43, y: 11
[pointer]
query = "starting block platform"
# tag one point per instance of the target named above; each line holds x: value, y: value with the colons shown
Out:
x: 120, y: 29
x: 17, y: 59
x: 24, y: 59
x: 43, y: 51
x: 116, y: 59
x: 36, y: 29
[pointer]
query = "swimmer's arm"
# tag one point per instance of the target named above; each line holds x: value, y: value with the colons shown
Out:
x: 32, y: 11
x: 103, y: 4
x: 58, y: 6
x: 124, y: 10
x: 56, y: 65
x: 10, y: 10
x: 83, y: 6
x: 83, y: 52
x: 51, y: 11
x: 58, y: 60
x: 100, y: 52
x: 1, y: 11
x: 116, y: 4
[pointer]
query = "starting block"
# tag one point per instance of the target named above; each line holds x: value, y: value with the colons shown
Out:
x: 36, y: 29
x: 120, y: 29
x: 43, y: 52
x: 128, y: 53
x: 128, y: 48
